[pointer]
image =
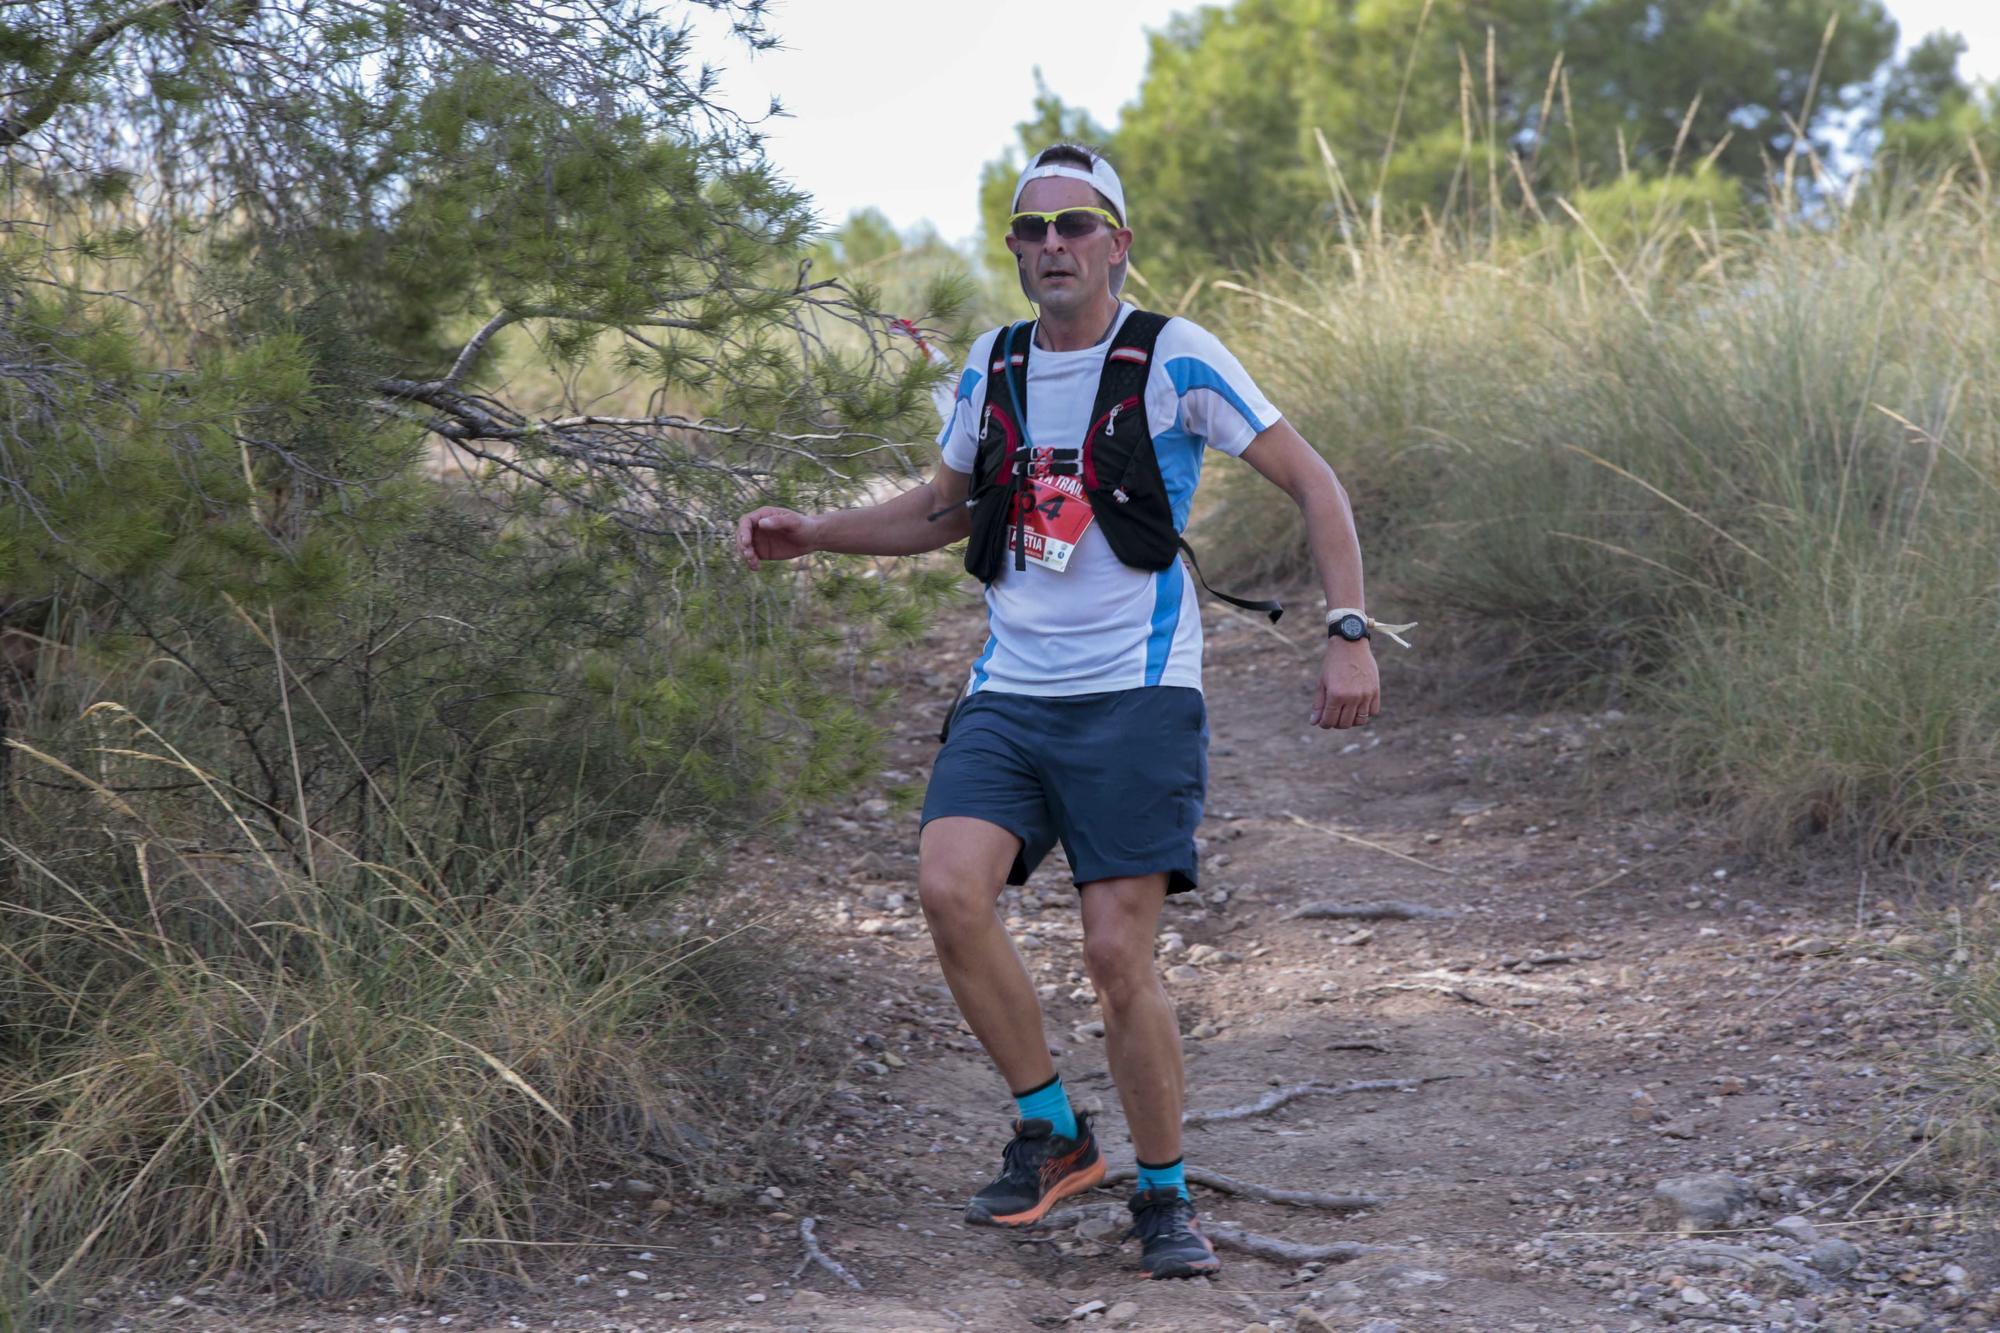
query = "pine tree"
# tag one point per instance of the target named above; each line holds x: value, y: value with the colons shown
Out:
x: 441, y: 343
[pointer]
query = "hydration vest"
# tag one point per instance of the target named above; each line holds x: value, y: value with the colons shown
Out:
x: 1115, y: 462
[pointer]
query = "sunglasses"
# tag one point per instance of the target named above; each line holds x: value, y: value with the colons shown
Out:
x: 1072, y: 224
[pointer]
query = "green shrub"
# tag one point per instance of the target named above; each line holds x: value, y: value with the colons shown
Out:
x: 356, y: 819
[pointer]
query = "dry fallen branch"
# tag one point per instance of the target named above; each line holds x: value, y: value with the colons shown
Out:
x: 1371, y: 846
x: 1430, y: 987
x: 1787, y: 1274
x: 1215, y: 1180
x: 1277, y: 1097
x: 1256, y: 1244
x: 1510, y: 1014
x: 815, y: 1255
x: 1606, y: 882
x: 1550, y: 959
x: 1507, y: 983
x: 1383, y: 911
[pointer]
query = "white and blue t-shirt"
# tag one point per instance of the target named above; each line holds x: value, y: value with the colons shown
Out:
x: 1100, y: 624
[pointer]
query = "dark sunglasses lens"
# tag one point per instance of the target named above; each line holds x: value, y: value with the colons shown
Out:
x: 1076, y: 225
x: 1032, y: 230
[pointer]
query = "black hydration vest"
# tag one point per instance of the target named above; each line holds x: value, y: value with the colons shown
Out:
x: 1114, y: 461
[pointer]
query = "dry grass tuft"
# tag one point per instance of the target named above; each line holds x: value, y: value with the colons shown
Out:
x: 336, y: 1078
x: 1752, y: 474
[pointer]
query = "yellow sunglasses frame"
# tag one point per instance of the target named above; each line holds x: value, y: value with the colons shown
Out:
x: 1049, y: 220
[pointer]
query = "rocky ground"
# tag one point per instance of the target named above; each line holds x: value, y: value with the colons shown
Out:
x: 1590, y: 1068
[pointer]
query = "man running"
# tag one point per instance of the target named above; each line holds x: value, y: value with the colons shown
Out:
x: 1083, y: 720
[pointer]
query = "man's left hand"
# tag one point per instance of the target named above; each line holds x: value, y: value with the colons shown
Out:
x: 1350, y: 689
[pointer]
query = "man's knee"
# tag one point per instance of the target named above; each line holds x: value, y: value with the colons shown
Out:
x: 1120, y: 962
x: 959, y: 878
x: 1120, y: 920
x: 951, y: 901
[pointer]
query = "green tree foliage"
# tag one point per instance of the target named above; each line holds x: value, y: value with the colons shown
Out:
x: 1931, y: 120
x: 1441, y: 108
x: 378, y: 389
x: 915, y: 271
x: 330, y: 243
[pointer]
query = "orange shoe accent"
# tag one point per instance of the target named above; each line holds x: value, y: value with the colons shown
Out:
x: 1087, y: 1179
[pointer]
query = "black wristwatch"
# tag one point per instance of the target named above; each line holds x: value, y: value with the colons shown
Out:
x: 1350, y: 627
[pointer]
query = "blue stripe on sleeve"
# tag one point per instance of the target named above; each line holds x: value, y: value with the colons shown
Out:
x: 1168, y: 585
x: 1189, y: 373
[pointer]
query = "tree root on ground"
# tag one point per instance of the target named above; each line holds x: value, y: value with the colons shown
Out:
x: 1225, y: 1234
x: 1383, y: 911
x: 1215, y: 1180
x: 1254, y: 1243
x: 815, y: 1255
x: 1277, y: 1097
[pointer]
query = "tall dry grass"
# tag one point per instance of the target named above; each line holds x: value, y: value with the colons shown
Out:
x: 1751, y: 474
x: 349, y: 1074
x: 1744, y: 478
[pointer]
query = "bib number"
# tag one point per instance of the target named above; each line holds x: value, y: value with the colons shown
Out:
x: 1055, y: 515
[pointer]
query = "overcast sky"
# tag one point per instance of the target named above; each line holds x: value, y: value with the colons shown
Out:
x: 896, y: 103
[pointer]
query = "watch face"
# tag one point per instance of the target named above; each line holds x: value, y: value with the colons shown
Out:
x: 1351, y: 627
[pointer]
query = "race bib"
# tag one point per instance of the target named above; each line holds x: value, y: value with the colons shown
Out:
x: 1055, y: 515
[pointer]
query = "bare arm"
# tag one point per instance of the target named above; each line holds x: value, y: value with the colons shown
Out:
x: 901, y: 525
x: 1350, y: 690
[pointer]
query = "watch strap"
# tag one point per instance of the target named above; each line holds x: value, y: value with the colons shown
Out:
x: 1395, y: 632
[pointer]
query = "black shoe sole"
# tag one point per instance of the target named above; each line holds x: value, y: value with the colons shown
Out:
x: 1213, y: 1267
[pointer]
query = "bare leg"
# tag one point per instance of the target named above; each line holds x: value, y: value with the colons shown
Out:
x: 1141, y: 1038
x: 962, y: 866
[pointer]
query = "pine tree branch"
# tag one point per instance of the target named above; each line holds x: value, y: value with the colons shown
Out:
x: 13, y: 129
x: 474, y: 346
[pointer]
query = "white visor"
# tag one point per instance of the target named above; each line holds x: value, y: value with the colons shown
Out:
x: 1099, y: 175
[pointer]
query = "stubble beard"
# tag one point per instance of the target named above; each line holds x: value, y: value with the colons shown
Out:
x: 1065, y: 301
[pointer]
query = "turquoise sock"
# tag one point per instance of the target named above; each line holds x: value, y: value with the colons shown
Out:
x: 1049, y: 1102
x: 1172, y: 1176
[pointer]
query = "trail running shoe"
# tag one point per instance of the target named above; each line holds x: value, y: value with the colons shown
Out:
x: 1039, y: 1168
x: 1173, y: 1244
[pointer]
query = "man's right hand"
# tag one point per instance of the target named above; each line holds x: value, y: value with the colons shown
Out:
x: 772, y: 533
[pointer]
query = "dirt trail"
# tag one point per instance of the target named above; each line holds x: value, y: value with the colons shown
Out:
x: 1613, y: 1001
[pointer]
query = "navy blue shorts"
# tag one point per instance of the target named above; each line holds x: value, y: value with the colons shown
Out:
x: 1118, y: 778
